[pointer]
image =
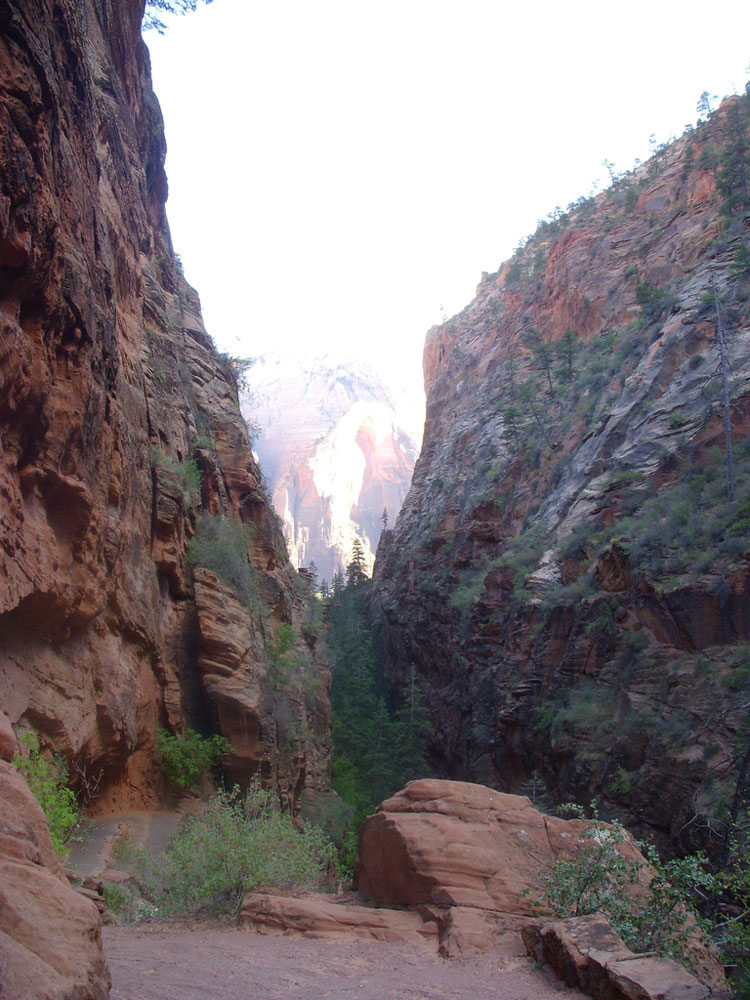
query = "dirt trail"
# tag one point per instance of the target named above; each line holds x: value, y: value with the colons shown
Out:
x: 164, y: 962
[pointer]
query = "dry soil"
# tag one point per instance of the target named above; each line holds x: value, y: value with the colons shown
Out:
x: 164, y: 962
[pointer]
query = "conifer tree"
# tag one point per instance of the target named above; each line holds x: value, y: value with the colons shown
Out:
x: 357, y: 570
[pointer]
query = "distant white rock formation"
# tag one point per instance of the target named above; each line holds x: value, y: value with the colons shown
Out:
x: 336, y: 447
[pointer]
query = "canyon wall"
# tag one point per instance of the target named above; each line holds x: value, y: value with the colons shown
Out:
x: 122, y: 441
x: 569, y: 581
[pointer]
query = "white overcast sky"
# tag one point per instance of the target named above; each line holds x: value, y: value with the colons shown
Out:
x: 341, y: 172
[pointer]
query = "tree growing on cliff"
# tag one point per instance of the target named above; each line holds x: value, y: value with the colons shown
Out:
x: 154, y: 8
x: 356, y: 571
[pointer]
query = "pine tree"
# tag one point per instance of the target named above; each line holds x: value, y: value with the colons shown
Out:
x: 357, y: 569
x: 567, y: 349
x: 151, y: 18
x: 733, y: 176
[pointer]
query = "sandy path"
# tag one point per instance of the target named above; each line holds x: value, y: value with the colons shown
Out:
x: 163, y: 962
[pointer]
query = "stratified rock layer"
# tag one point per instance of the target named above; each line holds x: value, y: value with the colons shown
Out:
x: 50, y: 936
x: 567, y: 583
x: 110, y: 390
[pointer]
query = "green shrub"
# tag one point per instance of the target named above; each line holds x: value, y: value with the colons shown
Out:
x: 238, y: 843
x: 280, y: 651
x: 47, y: 782
x: 600, y: 879
x: 186, y: 759
x: 221, y: 545
x: 187, y: 471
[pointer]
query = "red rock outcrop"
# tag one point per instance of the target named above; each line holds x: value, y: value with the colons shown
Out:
x: 50, y: 936
x: 322, y: 917
x: 110, y: 390
x: 586, y: 953
x: 459, y: 866
x: 567, y: 582
x: 457, y: 844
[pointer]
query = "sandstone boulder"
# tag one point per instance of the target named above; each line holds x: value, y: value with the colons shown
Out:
x: 586, y: 953
x: 475, y: 858
x: 322, y: 916
x: 452, y: 843
x: 7, y: 739
x: 50, y: 936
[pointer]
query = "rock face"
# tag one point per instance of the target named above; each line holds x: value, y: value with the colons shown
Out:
x: 50, y: 936
x: 473, y: 859
x: 456, y: 844
x: 121, y: 438
x: 586, y: 953
x: 320, y: 916
x: 337, y: 447
x: 567, y: 582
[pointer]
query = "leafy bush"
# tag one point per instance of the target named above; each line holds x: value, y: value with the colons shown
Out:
x: 280, y: 651
x: 187, y: 471
x: 47, y: 782
x: 221, y: 545
x: 238, y: 843
x: 648, y: 909
x: 654, y: 302
x: 185, y: 759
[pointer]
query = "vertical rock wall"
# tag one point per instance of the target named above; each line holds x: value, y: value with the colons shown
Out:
x: 567, y: 581
x: 109, y: 389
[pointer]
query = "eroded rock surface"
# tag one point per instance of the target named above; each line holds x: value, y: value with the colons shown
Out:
x: 119, y: 428
x: 50, y: 936
x: 559, y: 585
x: 338, y: 448
x: 586, y: 953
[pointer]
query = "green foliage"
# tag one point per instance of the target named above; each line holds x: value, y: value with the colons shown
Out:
x: 236, y: 844
x: 740, y: 265
x: 221, y: 545
x: 690, y: 526
x: 654, y: 302
x: 603, y: 624
x: 153, y: 22
x: 356, y: 571
x: 733, y: 175
x: 47, y: 782
x: 186, y: 759
x: 602, y: 879
x: 187, y: 471
x: 522, y: 555
x: 377, y: 747
x: 281, y: 659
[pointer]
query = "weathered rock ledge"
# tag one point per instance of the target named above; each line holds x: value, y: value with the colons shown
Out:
x: 456, y: 866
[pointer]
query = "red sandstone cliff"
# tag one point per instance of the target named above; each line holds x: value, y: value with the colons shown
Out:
x: 567, y: 578
x: 109, y: 389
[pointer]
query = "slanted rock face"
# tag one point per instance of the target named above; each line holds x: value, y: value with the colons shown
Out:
x: 473, y: 860
x: 567, y: 583
x: 456, y: 844
x: 50, y: 936
x: 109, y: 389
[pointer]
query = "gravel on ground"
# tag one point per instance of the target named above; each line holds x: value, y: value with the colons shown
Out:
x: 158, y: 961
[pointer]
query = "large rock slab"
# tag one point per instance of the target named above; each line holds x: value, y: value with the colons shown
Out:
x: 452, y: 843
x: 586, y: 953
x: 321, y: 916
x: 50, y: 936
x: 476, y: 858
